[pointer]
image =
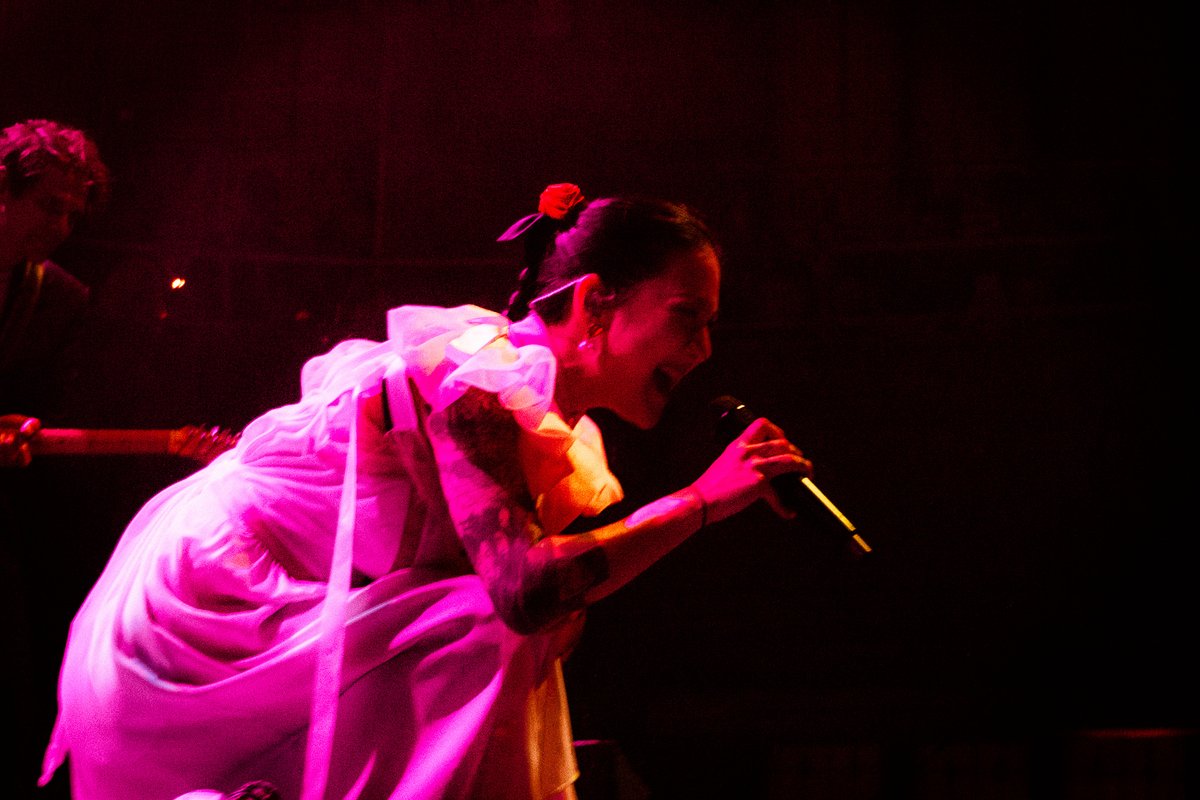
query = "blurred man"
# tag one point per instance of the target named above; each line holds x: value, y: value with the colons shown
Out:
x: 51, y: 176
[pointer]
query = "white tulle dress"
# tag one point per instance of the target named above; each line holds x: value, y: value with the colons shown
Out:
x: 301, y: 610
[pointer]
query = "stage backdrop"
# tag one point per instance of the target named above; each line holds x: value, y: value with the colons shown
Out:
x: 950, y: 239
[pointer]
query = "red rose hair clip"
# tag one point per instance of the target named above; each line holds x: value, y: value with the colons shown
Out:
x: 559, y: 198
x: 556, y: 202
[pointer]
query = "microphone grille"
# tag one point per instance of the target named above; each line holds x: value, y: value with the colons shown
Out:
x: 732, y: 417
x: 725, y: 404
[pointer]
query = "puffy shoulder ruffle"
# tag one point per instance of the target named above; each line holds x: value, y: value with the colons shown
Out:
x: 346, y: 364
x: 451, y: 350
x: 447, y: 352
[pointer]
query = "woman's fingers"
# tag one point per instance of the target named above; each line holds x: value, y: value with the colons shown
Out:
x: 775, y: 455
x: 743, y: 472
x: 773, y: 466
x: 766, y: 448
x: 762, y: 429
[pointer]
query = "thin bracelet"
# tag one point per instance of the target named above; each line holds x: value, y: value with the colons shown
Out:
x: 703, y: 506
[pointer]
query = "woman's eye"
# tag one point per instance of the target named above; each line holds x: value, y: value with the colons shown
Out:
x: 692, y: 321
x: 686, y: 318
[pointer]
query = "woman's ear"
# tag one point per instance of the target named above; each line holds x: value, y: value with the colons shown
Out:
x: 589, y: 304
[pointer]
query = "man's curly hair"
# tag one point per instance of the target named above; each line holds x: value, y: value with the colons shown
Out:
x: 29, y: 148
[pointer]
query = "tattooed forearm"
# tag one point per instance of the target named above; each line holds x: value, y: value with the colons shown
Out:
x: 499, y: 553
x: 476, y: 441
x: 559, y: 586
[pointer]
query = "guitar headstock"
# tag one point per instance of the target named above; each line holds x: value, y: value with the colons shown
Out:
x: 202, y: 444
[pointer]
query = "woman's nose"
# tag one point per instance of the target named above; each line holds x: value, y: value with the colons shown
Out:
x: 703, y: 341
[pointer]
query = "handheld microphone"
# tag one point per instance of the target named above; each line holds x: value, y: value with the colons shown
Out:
x: 798, y: 493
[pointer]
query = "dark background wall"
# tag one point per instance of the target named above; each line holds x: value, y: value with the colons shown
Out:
x: 952, y: 235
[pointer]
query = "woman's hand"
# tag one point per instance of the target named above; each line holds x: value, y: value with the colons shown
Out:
x: 16, y: 435
x: 742, y: 473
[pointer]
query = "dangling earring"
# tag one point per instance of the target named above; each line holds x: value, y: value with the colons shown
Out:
x: 588, y: 343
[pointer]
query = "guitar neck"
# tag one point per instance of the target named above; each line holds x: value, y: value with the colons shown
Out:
x: 137, y: 441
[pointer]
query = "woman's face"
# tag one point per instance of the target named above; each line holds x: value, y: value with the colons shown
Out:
x: 658, y: 334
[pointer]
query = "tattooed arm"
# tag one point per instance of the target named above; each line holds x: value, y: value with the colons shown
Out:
x: 532, y: 585
x: 536, y: 582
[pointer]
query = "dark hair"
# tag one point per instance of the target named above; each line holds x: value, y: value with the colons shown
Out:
x: 29, y: 148
x: 623, y: 240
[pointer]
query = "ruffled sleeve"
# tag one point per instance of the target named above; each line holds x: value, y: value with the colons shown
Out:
x: 448, y: 351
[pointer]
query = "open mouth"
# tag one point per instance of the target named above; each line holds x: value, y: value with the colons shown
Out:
x: 664, y: 382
